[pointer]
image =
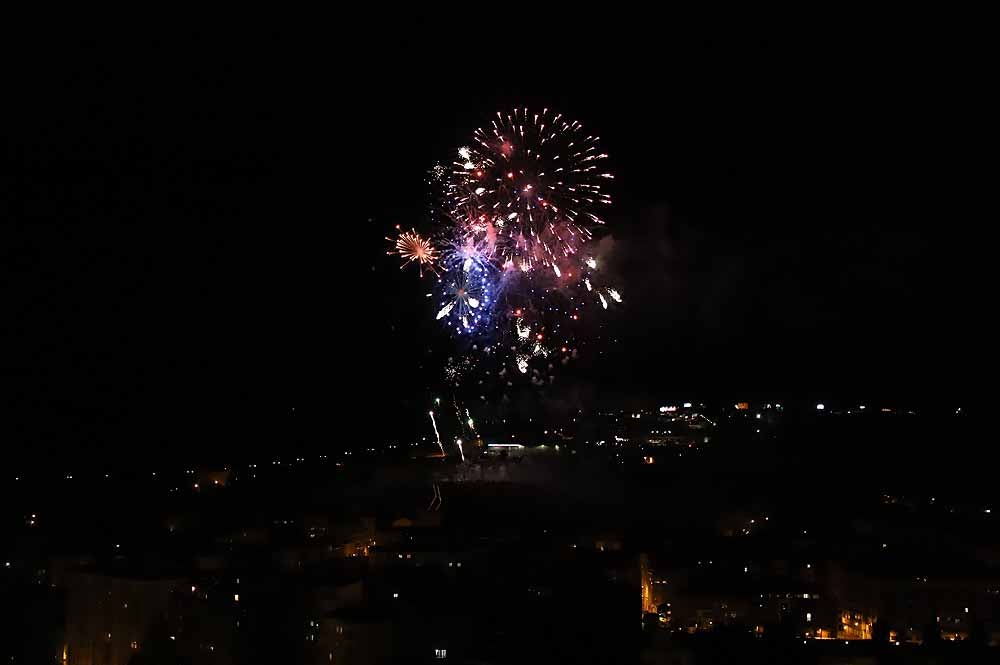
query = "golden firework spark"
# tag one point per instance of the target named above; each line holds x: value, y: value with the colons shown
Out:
x: 411, y: 246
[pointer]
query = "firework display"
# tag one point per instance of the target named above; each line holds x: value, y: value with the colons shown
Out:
x: 513, y: 251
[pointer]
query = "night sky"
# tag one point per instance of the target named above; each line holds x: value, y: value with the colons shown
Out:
x: 192, y: 233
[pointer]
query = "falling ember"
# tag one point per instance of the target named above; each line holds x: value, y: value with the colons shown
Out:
x: 460, y: 451
x: 555, y: 269
x: 591, y: 263
x: 586, y: 280
x: 615, y: 295
x: 604, y: 303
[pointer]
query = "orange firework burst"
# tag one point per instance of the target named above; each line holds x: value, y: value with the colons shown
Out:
x: 410, y: 246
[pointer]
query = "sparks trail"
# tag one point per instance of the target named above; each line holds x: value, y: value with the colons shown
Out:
x: 472, y: 424
x: 436, y: 434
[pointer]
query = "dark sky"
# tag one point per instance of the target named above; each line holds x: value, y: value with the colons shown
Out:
x: 192, y: 228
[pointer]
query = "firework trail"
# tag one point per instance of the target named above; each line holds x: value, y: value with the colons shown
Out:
x: 436, y: 435
x: 460, y: 451
x: 436, y: 499
x: 471, y: 423
x: 462, y: 422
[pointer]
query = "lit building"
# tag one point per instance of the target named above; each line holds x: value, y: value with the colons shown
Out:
x: 855, y: 625
x: 356, y: 636
x: 206, y: 478
x: 646, y: 583
x: 108, y: 617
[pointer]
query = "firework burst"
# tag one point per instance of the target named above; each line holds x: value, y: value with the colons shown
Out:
x: 531, y: 181
x: 520, y: 204
x: 411, y: 246
x: 466, y: 296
